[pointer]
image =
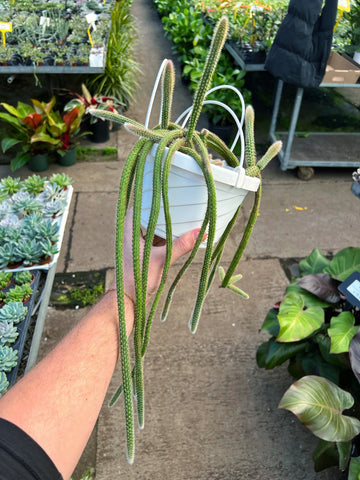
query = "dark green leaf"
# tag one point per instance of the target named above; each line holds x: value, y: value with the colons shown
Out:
x: 344, y: 263
x: 271, y: 323
x: 314, y: 263
x: 325, y: 455
x: 354, y: 469
x: 278, y: 353
x: 344, y: 449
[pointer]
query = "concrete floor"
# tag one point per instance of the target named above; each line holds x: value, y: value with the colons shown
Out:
x: 211, y: 414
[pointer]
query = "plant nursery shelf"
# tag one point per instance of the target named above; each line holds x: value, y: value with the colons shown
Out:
x: 58, y: 69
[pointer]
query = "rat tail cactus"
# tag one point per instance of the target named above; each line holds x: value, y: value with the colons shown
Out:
x: 170, y: 139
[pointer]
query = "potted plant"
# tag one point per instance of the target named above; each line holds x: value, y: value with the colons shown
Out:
x: 8, y: 333
x: 149, y: 174
x: 20, y: 293
x: 23, y: 276
x: 315, y: 328
x: 98, y: 127
x: 61, y: 179
x: 5, y: 279
x: 8, y: 358
x: 28, y: 132
x: 34, y: 184
x: 13, y: 312
x: 4, y: 383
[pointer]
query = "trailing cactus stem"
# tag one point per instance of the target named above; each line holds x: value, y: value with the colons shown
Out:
x: 154, y: 135
x: 113, y: 117
x: 271, y: 153
x: 214, y: 142
x: 233, y: 279
x: 211, y: 61
x: 124, y: 346
x: 202, y: 289
x: 167, y: 89
x: 165, y: 175
x: 245, y: 238
x: 138, y: 382
x: 250, y: 153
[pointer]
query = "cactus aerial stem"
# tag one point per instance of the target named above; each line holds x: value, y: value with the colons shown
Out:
x: 167, y: 89
x: 217, y: 43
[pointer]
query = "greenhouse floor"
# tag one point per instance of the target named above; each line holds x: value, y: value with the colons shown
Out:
x: 211, y: 414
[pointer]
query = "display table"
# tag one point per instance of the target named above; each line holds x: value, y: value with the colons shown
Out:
x: 288, y: 155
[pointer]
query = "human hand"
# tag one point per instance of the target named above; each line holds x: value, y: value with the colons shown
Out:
x: 181, y: 246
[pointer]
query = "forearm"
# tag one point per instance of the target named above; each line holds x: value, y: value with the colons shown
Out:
x: 57, y: 403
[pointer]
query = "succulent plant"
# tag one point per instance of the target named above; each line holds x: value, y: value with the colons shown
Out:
x: 2, y: 296
x: 54, y: 207
x: 4, y: 383
x: 8, y: 358
x: 10, y: 185
x: 10, y: 221
x: 26, y: 204
x: 32, y: 220
x: 47, y: 230
x: 6, y: 208
x: 34, y: 184
x: 61, y: 179
x: 8, y: 333
x: 29, y: 250
x: 23, y: 276
x: 20, y: 293
x: 48, y: 249
x: 5, y: 278
x: 13, y: 312
x: 7, y: 255
x: 51, y: 192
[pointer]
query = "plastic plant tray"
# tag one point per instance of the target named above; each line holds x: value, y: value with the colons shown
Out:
x: 23, y: 329
x: 61, y: 219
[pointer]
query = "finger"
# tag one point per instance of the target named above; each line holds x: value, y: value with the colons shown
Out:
x: 184, y: 244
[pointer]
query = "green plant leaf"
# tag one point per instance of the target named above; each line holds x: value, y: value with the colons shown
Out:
x: 338, y: 360
x: 309, y: 299
x: 318, y: 404
x: 272, y: 353
x: 271, y: 323
x: 344, y: 449
x: 296, y: 321
x: 314, y: 263
x: 20, y: 160
x: 344, y: 263
x: 354, y: 469
x: 325, y: 455
x: 7, y: 143
x: 341, y: 332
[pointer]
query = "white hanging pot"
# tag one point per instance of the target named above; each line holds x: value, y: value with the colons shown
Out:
x: 188, y: 194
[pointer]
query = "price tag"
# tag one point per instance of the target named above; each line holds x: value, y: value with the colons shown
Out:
x: 5, y: 27
x: 351, y: 289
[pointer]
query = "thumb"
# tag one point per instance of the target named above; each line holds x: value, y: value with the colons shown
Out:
x: 184, y: 244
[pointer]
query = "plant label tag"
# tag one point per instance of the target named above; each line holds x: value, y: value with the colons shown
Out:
x: 351, y: 289
x: 5, y: 27
x: 344, y: 5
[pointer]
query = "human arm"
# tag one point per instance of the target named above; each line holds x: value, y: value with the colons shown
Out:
x: 57, y: 403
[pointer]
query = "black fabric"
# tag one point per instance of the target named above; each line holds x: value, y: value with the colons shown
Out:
x: 21, y: 458
x: 301, y: 47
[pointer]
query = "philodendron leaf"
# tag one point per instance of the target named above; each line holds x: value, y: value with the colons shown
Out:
x: 354, y: 469
x: 309, y: 299
x: 296, y: 321
x: 344, y: 449
x: 271, y: 323
x: 325, y: 455
x: 314, y: 263
x: 341, y: 332
x: 272, y: 353
x: 354, y: 354
x: 318, y: 404
x: 344, y: 263
x: 321, y: 285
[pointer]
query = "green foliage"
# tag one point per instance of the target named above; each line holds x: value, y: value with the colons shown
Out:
x: 5, y: 278
x: 82, y: 296
x: 61, y: 179
x: 23, y: 276
x: 19, y: 293
x: 315, y: 328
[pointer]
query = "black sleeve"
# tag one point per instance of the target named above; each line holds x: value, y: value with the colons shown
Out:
x: 22, y: 458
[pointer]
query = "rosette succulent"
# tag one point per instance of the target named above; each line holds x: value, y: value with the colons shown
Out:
x: 4, y: 383
x: 8, y: 333
x: 8, y: 358
x: 13, y: 312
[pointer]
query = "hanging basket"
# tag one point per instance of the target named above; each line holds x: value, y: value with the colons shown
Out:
x: 188, y: 194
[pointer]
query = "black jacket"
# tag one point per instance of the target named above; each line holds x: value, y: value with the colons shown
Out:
x: 301, y: 48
